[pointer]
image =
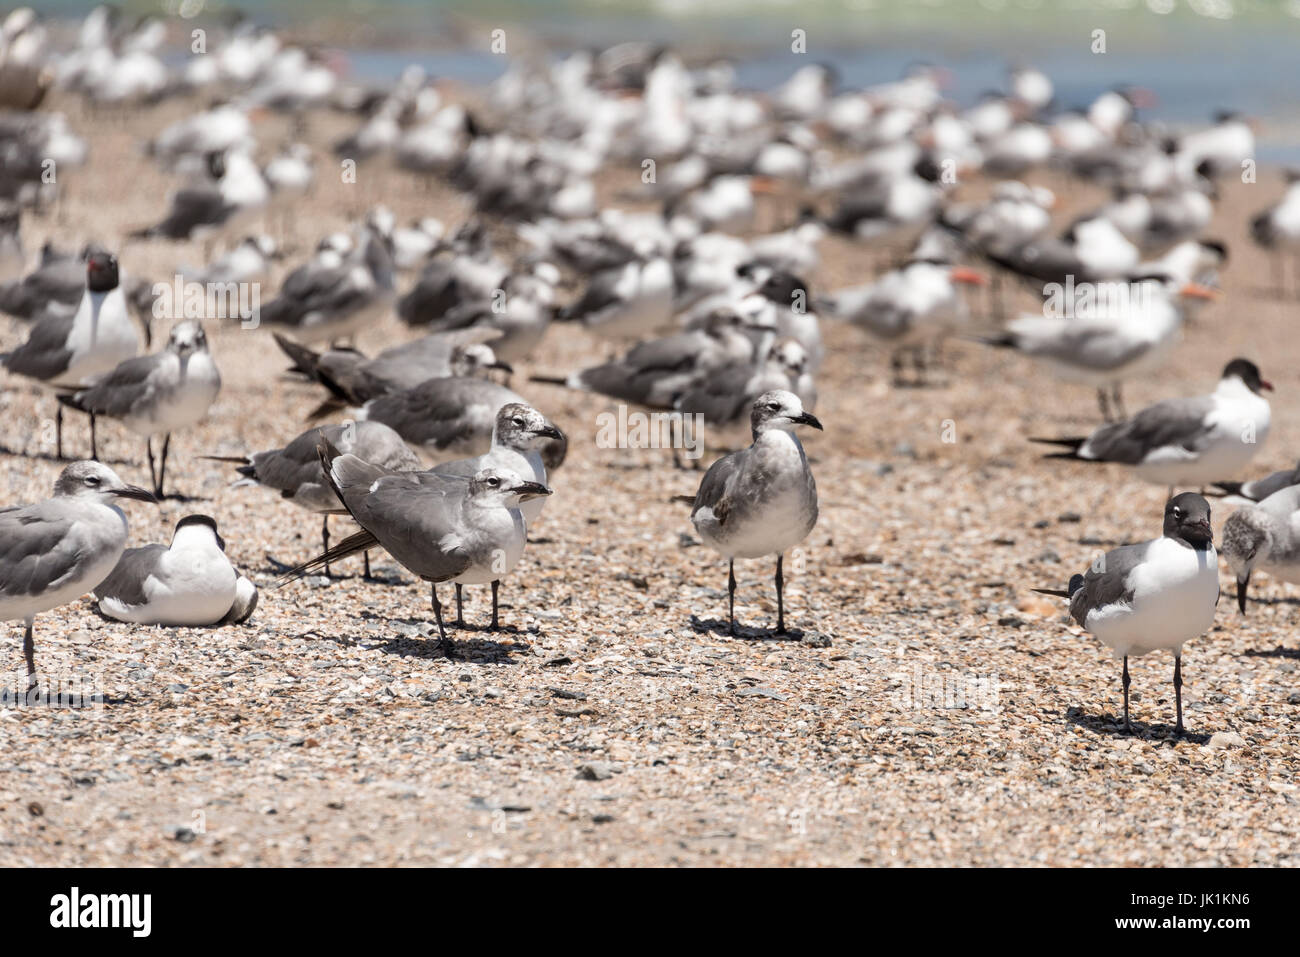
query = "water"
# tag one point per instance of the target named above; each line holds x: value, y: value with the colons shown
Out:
x: 1202, y: 56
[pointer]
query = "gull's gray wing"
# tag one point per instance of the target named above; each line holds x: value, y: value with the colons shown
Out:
x: 436, y: 291
x: 125, y: 582
x: 45, y: 354
x: 1173, y: 423
x: 442, y: 412
x: 191, y: 209
x: 314, y: 288
x: 1107, y: 581
x: 39, y: 550
x: 60, y: 282
x: 601, y: 294
x: 122, y: 390
x: 715, y: 492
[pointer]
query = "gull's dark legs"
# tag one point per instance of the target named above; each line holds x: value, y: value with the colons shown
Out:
x: 444, y: 642
x: 496, y: 585
x: 460, y: 616
x: 731, y: 593
x: 29, y: 652
x: 1104, y: 403
x: 1117, y: 402
x: 58, y: 432
x: 366, y: 557
x: 1128, y: 725
x: 94, y: 450
x: 148, y: 451
x: 780, y: 598
x: 325, y: 541
x: 1178, y: 692
x: 162, y: 465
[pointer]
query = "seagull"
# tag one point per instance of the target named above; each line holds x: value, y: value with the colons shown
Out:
x: 632, y: 300
x: 247, y: 261
x: 440, y: 527
x: 1196, y: 441
x: 908, y: 308
x: 295, y: 471
x: 56, y: 285
x: 762, y: 499
x: 54, y: 551
x: 1155, y: 595
x: 521, y: 432
x: 322, y: 301
x: 188, y: 583
x: 67, y: 351
x: 353, y: 379
x: 157, y: 394
x: 1278, y: 227
x: 1125, y: 329
x: 1264, y: 536
x: 235, y: 187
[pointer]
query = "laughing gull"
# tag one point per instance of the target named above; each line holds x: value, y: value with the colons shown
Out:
x: 909, y: 308
x: 450, y: 417
x: 1257, y: 490
x: 295, y: 470
x: 1264, y: 536
x: 520, y: 434
x: 440, y: 527
x: 724, y: 394
x: 1130, y: 329
x: 188, y: 583
x: 1156, y: 595
x: 628, y: 301
x: 655, y: 372
x: 1277, y: 228
x: 322, y: 301
x: 762, y: 499
x: 157, y: 394
x: 55, y: 551
x: 520, y: 311
x: 67, y: 351
x: 1195, y: 441
x: 234, y: 188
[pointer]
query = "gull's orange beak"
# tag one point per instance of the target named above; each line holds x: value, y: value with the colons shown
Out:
x: 1195, y: 290
x: 972, y: 277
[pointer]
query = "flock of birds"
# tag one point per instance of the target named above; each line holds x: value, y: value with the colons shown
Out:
x: 699, y: 309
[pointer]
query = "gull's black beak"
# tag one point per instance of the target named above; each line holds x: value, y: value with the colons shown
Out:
x: 550, y: 432
x: 503, y: 366
x: 809, y: 419
x: 1242, y: 585
x: 530, y: 490
x: 135, y: 492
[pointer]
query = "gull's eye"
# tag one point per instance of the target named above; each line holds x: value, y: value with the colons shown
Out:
x: 92, y: 480
x: 774, y: 408
x: 1178, y: 512
x: 494, y: 482
x: 519, y: 423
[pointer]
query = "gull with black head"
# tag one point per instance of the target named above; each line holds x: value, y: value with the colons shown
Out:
x: 1153, y: 596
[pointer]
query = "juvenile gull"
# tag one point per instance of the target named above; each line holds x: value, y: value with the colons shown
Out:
x: 66, y: 351
x: 440, y: 527
x: 54, y: 551
x: 1264, y: 536
x: 189, y: 582
x: 762, y: 499
x: 1193, y: 441
x: 157, y: 394
x: 521, y: 432
x: 1152, y: 596
x: 295, y: 470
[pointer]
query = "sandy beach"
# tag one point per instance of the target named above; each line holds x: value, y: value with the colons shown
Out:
x: 929, y: 709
